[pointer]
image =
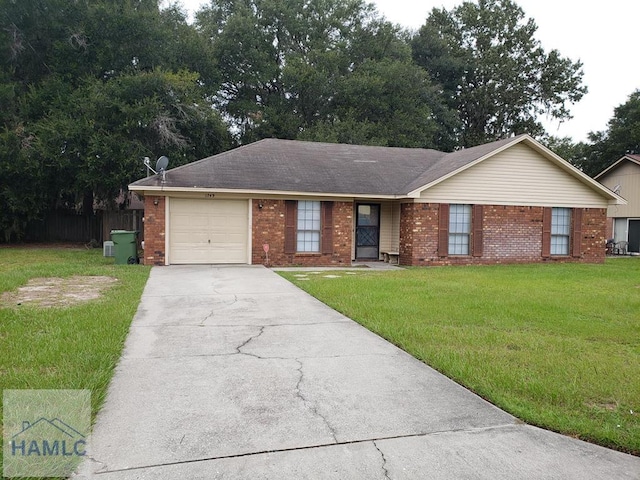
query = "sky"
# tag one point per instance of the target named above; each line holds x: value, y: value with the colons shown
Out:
x: 600, y: 34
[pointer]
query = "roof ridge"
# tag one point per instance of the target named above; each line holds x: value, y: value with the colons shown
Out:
x: 350, y: 145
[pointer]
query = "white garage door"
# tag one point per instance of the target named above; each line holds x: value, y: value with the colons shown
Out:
x: 208, y: 231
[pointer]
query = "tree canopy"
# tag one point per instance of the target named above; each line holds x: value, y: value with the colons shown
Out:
x: 325, y: 70
x: 88, y: 88
x: 621, y: 137
x: 493, y: 70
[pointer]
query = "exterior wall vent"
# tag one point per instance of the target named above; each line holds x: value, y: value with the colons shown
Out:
x: 107, y: 249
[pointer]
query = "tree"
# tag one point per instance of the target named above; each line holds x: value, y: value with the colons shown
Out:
x: 622, y: 137
x: 565, y: 147
x: 318, y: 69
x: 21, y: 195
x: 494, y: 72
x: 94, y: 139
x: 382, y: 102
x: 279, y: 59
x: 88, y: 89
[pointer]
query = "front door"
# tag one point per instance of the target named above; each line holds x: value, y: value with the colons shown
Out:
x: 368, y: 231
x: 634, y: 235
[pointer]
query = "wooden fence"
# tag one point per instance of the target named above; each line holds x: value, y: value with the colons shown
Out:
x: 65, y: 226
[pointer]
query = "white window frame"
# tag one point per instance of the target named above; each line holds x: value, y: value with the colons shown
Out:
x: 308, y: 230
x: 460, y: 229
x: 560, y: 231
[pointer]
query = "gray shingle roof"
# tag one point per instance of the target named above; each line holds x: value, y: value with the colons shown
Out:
x: 296, y: 166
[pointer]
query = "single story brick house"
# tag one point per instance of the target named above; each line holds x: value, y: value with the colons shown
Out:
x: 623, y: 177
x: 315, y: 204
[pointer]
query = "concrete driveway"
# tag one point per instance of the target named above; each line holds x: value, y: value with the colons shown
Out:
x: 234, y: 373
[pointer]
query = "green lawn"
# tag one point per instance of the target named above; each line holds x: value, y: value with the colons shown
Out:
x: 557, y: 345
x: 74, y: 347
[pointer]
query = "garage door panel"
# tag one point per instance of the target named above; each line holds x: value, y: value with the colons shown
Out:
x: 208, y: 231
x: 189, y: 256
x: 184, y: 222
x: 222, y: 256
x: 189, y: 241
x: 226, y: 241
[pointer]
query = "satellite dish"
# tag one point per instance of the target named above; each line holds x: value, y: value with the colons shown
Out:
x: 162, y: 164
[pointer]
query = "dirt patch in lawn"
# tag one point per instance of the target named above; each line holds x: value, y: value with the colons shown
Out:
x: 58, y: 292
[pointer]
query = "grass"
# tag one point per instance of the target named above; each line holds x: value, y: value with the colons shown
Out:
x: 73, y: 347
x: 557, y: 345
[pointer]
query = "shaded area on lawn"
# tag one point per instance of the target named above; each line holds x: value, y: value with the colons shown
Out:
x: 556, y: 345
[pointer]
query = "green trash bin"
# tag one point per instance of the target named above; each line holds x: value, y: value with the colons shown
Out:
x: 125, y: 246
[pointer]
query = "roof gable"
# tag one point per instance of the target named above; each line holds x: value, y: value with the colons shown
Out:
x: 634, y: 159
x: 516, y: 175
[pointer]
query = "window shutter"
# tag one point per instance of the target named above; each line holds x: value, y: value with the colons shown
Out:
x: 577, y: 232
x: 290, y: 213
x: 443, y: 230
x: 546, y: 232
x: 477, y: 230
x: 327, y: 227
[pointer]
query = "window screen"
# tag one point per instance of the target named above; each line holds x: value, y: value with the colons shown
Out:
x: 560, y: 231
x: 308, y: 237
x: 459, y: 229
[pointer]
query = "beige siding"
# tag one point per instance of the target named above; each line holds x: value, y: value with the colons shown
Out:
x: 516, y: 176
x: 389, y: 226
x: 395, y: 228
x: 627, y: 175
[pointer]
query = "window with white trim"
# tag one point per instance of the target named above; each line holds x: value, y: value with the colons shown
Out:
x: 459, y: 229
x: 308, y: 231
x: 560, y: 230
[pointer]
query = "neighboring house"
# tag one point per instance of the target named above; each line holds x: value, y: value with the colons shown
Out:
x: 511, y: 201
x: 623, y: 178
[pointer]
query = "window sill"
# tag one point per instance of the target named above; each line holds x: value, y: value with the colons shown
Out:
x: 307, y: 254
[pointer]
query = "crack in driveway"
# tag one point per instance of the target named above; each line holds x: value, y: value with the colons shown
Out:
x: 210, y: 314
x: 206, y: 318
x: 384, y: 461
x: 312, y: 407
x: 249, y: 340
x: 301, y: 448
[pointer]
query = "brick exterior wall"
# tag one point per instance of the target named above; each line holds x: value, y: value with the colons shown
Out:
x: 511, y: 234
x: 154, y: 229
x: 269, y: 228
x: 418, y: 233
x: 594, y: 235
